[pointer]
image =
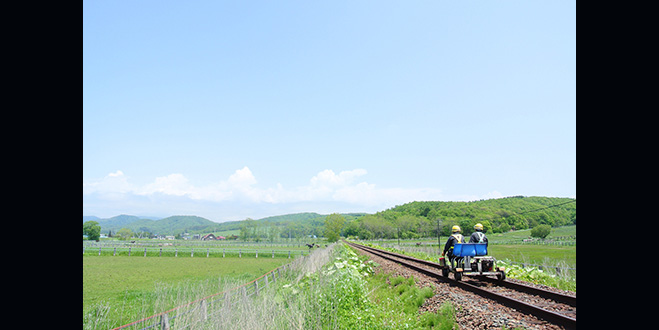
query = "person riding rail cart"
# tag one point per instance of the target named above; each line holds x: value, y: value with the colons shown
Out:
x: 471, y: 258
x: 455, y: 237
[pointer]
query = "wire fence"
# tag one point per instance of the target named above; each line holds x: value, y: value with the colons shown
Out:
x: 190, y: 314
x: 558, y: 241
x: 186, y: 251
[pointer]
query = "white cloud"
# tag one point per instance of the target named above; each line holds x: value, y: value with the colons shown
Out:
x: 112, y: 186
x: 325, y: 187
x: 174, y: 184
x: 328, y: 178
x: 242, y: 178
x: 118, y: 173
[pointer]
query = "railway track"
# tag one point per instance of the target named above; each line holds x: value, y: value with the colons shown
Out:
x: 555, y: 308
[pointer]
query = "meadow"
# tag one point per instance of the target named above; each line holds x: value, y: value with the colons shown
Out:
x: 126, y: 287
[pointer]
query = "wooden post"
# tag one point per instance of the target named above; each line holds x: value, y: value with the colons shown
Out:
x: 257, y: 253
x: 266, y: 281
x: 129, y: 251
x: 273, y: 254
x: 289, y: 254
x: 164, y: 322
x: 160, y: 252
x: 145, y: 252
x: 176, y: 255
x: 240, y: 253
x: 256, y: 287
x: 223, y: 252
x: 207, y: 252
x: 99, y: 250
x: 192, y: 253
x: 204, y: 310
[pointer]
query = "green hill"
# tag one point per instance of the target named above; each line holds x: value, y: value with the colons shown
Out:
x: 419, y: 219
x: 411, y: 220
x: 168, y: 226
x: 297, y: 224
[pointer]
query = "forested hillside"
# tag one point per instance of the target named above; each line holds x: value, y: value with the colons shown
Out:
x: 288, y: 225
x: 419, y: 219
x: 411, y: 220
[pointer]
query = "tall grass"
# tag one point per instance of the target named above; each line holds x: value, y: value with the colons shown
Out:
x: 267, y: 310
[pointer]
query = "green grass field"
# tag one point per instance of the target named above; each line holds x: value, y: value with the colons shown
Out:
x: 536, y: 254
x: 128, y: 286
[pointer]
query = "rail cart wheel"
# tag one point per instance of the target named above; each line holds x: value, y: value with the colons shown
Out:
x: 445, y: 272
x: 458, y: 276
x: 501, y: 276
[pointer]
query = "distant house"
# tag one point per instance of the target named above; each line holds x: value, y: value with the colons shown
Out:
x: 170, y: 237
x: 209, y: 237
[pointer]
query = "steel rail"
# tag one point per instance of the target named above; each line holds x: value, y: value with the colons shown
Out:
x: 549, y: 316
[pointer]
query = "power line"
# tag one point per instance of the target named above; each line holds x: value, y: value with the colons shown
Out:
x: 516, y: 214
x: 546, y: 207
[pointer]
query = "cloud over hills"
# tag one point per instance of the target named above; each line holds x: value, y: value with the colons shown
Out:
x: 232, y: 198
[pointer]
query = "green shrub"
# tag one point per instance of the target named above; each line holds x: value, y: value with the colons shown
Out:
x: 541, y: 231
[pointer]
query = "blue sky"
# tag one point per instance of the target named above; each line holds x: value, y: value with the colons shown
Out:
x: 228, y: 109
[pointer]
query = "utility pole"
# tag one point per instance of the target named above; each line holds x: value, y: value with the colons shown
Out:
x: 439, y: 243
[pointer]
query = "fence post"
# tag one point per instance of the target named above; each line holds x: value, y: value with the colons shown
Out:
x: 115, y: 251
x: 145, y: 252
x: 240, y: 253
x: 273, y: 254
x: 207, y: 251
x: 266, y: 281
x: 160, y: 252
x: 192, y: 253
x: 257, y: 253
x: 289, y: 254
x: 223, y: 251
x: 176, y: 255
x: 164, y: 322
x: 129, y: 250
x: 256, y: 287
x: 99, y: 250
x: 204, y: 310
x: 83, y: 249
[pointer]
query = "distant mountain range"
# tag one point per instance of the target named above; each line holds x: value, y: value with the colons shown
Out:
x: 179, y: 224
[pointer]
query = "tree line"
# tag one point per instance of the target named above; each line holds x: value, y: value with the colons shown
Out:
x: 426, y: 219
x: 408, y: 221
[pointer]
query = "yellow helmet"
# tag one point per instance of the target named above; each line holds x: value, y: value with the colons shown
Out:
x: 456, y: 229
x: 478, y: 226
